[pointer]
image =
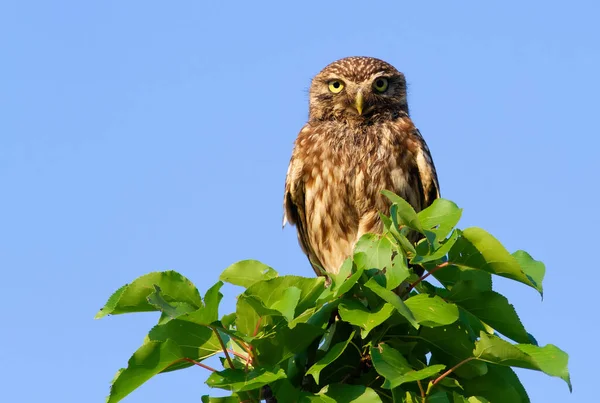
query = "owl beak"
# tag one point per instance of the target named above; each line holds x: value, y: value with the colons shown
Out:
x: 359, y: 102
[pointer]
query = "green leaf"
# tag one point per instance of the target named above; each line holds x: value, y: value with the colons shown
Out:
x: 401, y: 396
x: 345, y: 270
x: 357, y: 314
x: 331, y: 355
x: 164, y: 351
x: 450, y: 382
x: 405, y: 244
x: 349, y: 283
x: 392, y: 298
x: 170, y: 310
x: 396, y: 370
x: 397, y: 273
x: 350, y: 393
x: 477, y: 249
x: 272, y: 291
x: 549, y: 359
x: 239, y: 380
x: 438, y: 397
x: 440, y: 217
x: 133, y: 297
x: 196, y: 341
x: 347, y: 365
x: 473, y: 399
x: 150, y: 359
x: 452, y: 344
x: 498, y: 385
x: 403, y: 211
x: 378, y: 251
x: 247, y: 320
x: 212, y: 298
x: 209, y: 312
x: 451, y: 274
x: 306, y: 397
x: 247, y: 272
x: 432, y: 311
x: 534, y: 269
x: 438, y: 253
x: 288, y: 302
x: 284, y: 390
x: 282, y: 344
x: 491, y: 307
x: 258, y: 306
x: 316, y: 316
x: 226, y: 399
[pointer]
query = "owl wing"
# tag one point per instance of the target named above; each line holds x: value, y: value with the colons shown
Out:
x: 294, y: 208
x: 427, y: 178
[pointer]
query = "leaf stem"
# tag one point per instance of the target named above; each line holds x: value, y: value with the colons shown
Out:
x: 445, y: 374
x: 242, y: 356
x: 421, y: 389
x: 223, y: 347
x: 424, y: 276
x: 196, y: 363
x: 257, y: 326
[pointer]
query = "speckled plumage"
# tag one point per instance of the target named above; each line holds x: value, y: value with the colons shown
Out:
x: 346, y: 154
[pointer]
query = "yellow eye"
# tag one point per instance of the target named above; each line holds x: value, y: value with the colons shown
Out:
x: 380, y: 84
x: 336, y: 86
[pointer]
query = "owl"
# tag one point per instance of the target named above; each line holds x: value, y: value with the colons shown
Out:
x: 359, y: 140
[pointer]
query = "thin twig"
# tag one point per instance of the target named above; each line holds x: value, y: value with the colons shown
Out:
x: 445, y: 374
x: 223, y: 347
x: 242, y: 344
x: 423, y: 277
x: 196, y: 363
x: 421, y: 389
x: 257, y: 326
x: 242, y: 356
x: 247, y: 364
x: 250, y: 352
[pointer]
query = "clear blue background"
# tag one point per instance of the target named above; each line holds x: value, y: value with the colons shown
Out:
x: 142, y: 135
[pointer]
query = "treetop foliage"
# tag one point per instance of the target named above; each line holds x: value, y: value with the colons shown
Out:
x: 374, y: 332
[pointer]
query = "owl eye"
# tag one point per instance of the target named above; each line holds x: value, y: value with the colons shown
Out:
x: 336, y: 86
x: 380, y: 84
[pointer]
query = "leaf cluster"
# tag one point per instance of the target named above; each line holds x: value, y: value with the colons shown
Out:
x: 374, y: 332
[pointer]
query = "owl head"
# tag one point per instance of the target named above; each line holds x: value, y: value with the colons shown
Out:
x: 357, y: 89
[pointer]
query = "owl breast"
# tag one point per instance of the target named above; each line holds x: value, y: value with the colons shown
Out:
x: 344, y: 171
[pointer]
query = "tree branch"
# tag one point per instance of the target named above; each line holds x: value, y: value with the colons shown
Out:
x: 223, y: 347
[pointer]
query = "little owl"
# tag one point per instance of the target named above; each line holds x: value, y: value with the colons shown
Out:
x: 359, y: 140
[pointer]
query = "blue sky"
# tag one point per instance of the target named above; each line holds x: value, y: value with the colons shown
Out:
x: 140, y: 136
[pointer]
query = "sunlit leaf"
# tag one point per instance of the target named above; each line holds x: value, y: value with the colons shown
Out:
x: 357, y: 314
x: 377, y: 251
x: 239, y: 380
x: 350, y: 393
x: 438, y: 253
x: 403, y: 211
x: 134, y: 297
x: 432, y: 311
x: 166, y: 349
x: 548, y: 359
x: 440, y: 217
x: 477, y: 249
x: 393, y: 299
x: 534, y: 269
x: 247, y: 272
